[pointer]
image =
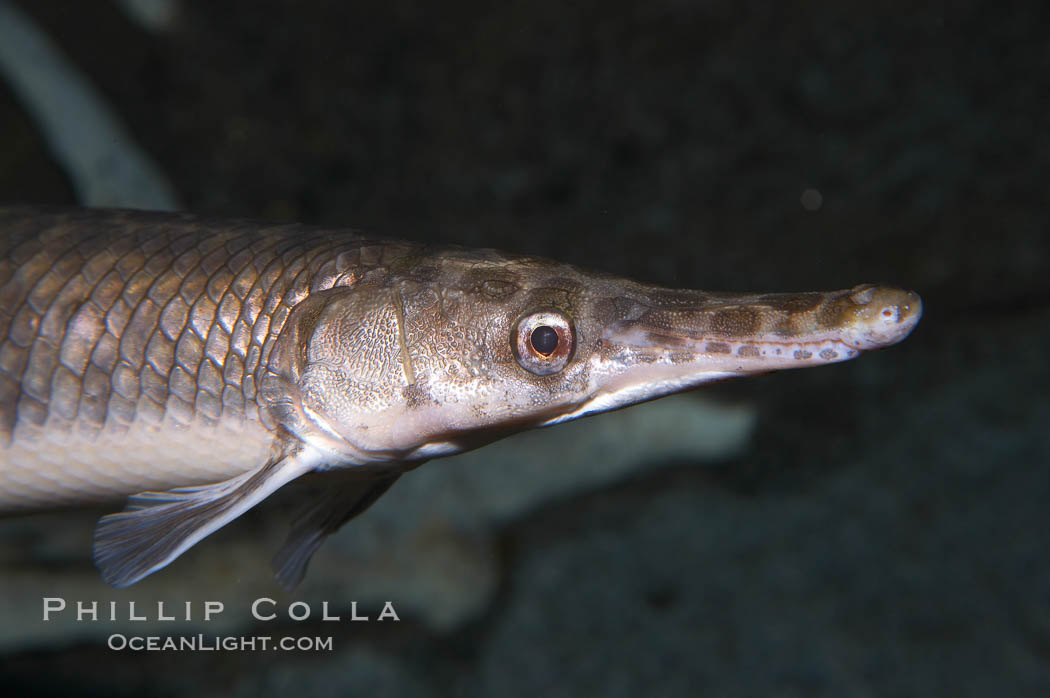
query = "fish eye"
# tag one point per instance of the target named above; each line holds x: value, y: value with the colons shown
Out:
x: 543, y: 342
x: 544, y: 339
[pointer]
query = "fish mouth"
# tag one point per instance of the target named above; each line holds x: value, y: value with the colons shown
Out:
x: 691, y: 338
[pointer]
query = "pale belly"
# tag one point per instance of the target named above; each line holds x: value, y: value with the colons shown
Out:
x: 49, y: 468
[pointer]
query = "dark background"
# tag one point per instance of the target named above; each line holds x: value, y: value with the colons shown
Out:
x: 888, y: 532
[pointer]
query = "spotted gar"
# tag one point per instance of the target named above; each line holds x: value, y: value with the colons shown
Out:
x: 200, y: 365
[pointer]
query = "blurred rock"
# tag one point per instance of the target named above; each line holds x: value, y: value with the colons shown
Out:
x: 359, y: 671
x: 427, y: 545
x: 85, y: 135
x: 153, y: 15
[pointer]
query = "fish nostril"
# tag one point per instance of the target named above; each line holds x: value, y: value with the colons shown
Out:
x: 891, y: 314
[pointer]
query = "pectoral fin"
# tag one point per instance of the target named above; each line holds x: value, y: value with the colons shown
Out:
x: 157, y: 527
x: 340, y: 502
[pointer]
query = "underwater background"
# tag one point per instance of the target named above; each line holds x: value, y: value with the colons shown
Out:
x: 879, y: 527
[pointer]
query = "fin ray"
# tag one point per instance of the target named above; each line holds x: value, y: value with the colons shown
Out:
x: 340, y: 503
x: 157, y: 527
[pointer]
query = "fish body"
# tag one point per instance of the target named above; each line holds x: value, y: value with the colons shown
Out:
x: 200, y: 365
x: 134, y: 345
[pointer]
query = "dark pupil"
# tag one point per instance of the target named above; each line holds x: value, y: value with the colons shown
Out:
x: 544, y: 340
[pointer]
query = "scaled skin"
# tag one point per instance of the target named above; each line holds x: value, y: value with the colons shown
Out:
x: 148, y: 352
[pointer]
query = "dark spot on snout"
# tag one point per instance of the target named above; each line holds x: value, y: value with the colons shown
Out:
x: 665, y: 340
x: 785, y: 328
x: 734, y: 322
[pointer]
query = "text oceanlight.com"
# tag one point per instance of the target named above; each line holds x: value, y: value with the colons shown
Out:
x: 179, y: 622
x: 214, y: 643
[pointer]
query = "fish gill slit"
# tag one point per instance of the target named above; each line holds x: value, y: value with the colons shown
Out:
x: 406, y: 359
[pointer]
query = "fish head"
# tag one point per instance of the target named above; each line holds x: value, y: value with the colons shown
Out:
x: 470, y: 347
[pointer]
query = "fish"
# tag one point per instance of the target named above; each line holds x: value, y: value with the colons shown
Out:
x: 196, y: 366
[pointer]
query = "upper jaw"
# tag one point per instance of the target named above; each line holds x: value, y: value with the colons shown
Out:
x: 648, y: 355
x: 864, y: 317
